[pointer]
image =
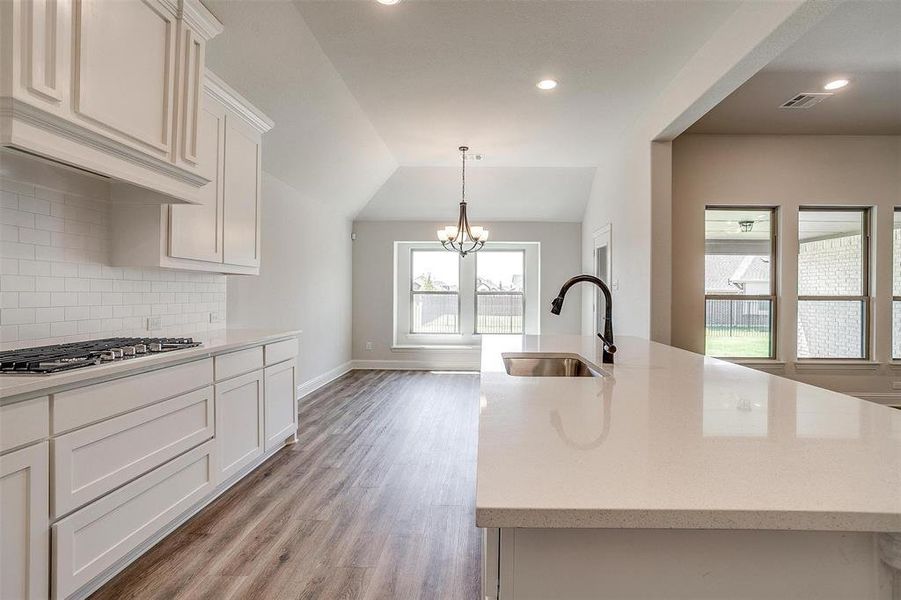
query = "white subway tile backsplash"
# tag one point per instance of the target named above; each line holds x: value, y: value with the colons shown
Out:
x: 34, y: 267
x: 16, y: 250
x: 63, y: 269
x: 9, y: 200
x: 17, y: 316
x: 34, y: 205
x: 34, y: 332
x: 77, y: 313
x: 49, y: 284
x: 63, y: 328
x: 74, y: 284
x: 63, y: 299
x: 50, y: 315
x: 56, y: 284
x: 34, y: 236
x: 16, y: 283
x: 9, y: 216
x: 34, y: 299
x: 48, y: 223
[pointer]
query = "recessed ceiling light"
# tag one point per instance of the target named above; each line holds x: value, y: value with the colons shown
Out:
x: 388, y: 2
x: 546, y: 84
x: 836, y: 84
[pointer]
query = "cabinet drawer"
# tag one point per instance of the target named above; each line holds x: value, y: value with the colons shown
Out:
x: 86, y: 405
x: 238, y: 363
x: 90, y: 462
x: 279, y: 351
x: 92, y: 539
x: 24, y: 422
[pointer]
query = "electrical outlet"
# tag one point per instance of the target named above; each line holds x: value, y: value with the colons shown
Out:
x: 896, y: 385
x: 216, y: 317
x: 154, y: 323
x: 369, y: 346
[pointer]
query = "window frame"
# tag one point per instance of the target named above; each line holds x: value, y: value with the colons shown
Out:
x: 895, y: 298
x: 771, y: 297
x: 865, y: 300
x: 403, y: 340
x: 413, y: 293
x: 476, y: 293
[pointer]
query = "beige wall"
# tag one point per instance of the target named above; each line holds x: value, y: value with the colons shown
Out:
x: 373, y: 281
x: 787, y: 172
x: 304, y: 281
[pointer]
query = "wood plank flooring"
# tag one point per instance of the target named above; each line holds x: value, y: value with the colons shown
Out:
x: 376, y: 500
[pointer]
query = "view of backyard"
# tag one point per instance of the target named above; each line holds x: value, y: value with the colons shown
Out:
x: 744, y: 343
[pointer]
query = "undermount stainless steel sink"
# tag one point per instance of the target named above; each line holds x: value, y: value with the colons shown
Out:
x: 548, y: 365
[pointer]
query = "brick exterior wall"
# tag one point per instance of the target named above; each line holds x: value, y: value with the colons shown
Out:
x: 56, y: 284
x: 829, y: 267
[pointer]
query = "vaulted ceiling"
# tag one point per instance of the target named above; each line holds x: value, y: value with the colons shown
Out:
x: 371, y: 101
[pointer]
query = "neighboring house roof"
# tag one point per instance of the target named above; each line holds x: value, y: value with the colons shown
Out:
x: 727, y: 273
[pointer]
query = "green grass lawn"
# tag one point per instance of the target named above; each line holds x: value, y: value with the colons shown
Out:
x: 753, y: 345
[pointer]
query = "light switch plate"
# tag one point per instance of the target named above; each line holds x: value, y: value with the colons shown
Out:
x: 216, y: 317
x: 154, y: 323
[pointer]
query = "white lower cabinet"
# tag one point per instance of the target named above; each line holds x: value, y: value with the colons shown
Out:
x: 281, y: 409
x: 24, y: 526
x: 91, y: 540
x: 239, y: 422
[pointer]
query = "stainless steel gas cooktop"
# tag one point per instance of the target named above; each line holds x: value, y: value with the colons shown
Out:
x: 43, y: 360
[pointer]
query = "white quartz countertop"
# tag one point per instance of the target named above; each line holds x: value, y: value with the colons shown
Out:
x: 14, y: 387
x: 673, y: 439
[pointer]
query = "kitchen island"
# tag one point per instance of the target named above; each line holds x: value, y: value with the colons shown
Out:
x: 671, y: 474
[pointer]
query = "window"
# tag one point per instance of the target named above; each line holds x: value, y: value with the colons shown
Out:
x: 833, y: 301
x: 739, y: 288
x: 500, y: 291
x: 434, y: 292
x: 896, y: 286
x: 443, y: 300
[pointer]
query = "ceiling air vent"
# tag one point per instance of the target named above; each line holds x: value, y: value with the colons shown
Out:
x: 806, y: 100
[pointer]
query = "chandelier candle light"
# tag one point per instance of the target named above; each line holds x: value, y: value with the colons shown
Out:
x: 461, y: 237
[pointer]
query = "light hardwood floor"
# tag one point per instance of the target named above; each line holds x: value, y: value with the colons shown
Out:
x: 375, y: 501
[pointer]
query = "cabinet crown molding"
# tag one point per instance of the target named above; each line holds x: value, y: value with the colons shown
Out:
x: 200, y: 19
x: 236, y: 102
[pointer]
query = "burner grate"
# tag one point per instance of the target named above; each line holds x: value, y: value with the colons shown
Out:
x: 75, y: 355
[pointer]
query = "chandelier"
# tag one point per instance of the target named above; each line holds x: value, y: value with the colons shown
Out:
x: 462, y: 237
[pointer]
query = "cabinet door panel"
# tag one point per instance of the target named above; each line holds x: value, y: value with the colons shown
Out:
x: 195, y: 232
x: 24, y: 523
x: 242, y: 193
x: 124, y: 69
x: 43, y: 48
x: 239, y: 422
x: 281, y: 409
x: 191, y: 58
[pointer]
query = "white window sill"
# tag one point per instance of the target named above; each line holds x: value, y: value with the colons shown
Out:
x: 414, y: 347
x: 756, y: 362
x: 835, y: 365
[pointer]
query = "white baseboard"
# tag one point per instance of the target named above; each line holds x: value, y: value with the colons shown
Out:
x: 311, y: 385
x: 431, y: 364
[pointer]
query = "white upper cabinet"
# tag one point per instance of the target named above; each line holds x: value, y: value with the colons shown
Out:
x: 124, y: 70
x: 195, y: 232
x: 222, y: 232
x: 109, y: 86
x: 242, y: 193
